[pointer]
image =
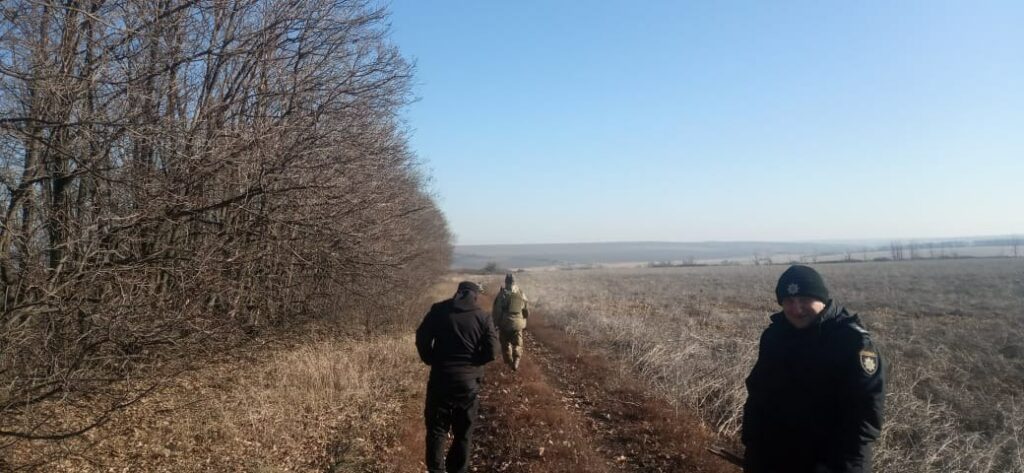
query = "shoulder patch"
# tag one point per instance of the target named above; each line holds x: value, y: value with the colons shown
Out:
x: 868, y: 361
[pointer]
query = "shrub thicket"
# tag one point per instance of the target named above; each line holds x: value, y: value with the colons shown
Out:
x: 181, y: 172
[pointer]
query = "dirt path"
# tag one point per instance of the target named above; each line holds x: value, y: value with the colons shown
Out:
x: 568, y: 410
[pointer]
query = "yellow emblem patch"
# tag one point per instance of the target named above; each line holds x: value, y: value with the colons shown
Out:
x: 869, y: 361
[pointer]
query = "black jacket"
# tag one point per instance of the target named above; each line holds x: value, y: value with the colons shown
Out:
x: 456, y: 343
x: 814, y: 398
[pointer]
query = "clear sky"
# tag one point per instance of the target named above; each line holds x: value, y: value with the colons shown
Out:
x: 573, y: 121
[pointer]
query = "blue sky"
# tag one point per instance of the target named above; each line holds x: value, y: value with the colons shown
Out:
x: 544, y: 121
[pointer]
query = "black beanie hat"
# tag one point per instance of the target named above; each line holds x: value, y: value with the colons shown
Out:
x: 801, y: 280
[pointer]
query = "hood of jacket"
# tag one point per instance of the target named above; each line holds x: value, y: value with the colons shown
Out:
x: 465, y: 304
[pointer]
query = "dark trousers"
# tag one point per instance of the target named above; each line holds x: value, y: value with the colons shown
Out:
x: 450, y: 407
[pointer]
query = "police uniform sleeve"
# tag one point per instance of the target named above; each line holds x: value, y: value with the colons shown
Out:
x: 753, y: 411
x: 425, y: 337
x: 865, y: 391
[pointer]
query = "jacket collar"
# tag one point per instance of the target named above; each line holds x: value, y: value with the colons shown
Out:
x: 832, y: 314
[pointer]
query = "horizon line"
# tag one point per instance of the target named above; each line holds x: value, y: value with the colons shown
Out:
x: 830, y: 241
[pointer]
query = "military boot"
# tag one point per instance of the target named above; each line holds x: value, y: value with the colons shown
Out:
x: 515, y: 364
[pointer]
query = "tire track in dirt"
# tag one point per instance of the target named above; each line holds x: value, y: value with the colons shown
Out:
x: 586, y: 412
x: 524, y: 425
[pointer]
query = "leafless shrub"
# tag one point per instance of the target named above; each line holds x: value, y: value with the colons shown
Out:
x: 180, y: 172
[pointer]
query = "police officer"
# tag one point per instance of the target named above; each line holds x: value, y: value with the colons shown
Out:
x: 510, y: 312
x: 815, y: 395
x: 456, y: 338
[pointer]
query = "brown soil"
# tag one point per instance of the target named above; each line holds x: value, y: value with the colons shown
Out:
x: 569, y: 410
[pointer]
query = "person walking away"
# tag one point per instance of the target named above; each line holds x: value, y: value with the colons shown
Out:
x: 510, y: 312
x: 456, y: 339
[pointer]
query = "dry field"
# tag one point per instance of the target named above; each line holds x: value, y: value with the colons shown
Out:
x: 952, y: 332
x: 318, y: 399
x: 321, y: 404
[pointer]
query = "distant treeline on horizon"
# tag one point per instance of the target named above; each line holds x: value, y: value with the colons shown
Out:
x: 661, y: 254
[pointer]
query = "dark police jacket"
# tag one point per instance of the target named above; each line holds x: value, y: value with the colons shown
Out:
x: 456, y: 343
x: 814, y: 398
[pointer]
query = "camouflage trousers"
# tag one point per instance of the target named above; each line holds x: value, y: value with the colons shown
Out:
x: 511, y: 346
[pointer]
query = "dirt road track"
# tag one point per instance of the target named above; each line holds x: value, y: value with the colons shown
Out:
x: 569, y: 410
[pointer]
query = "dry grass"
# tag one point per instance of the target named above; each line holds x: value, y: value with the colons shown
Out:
x: 324, y: 404
x: 318, y: 400
x: 951, y: 330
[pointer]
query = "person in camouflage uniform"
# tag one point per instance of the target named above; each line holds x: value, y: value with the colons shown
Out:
x: 510, y: 312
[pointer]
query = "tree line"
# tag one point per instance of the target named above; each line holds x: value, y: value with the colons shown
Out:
x: 177, y: 173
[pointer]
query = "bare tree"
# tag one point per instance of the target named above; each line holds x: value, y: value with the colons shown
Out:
x: 181, y: 172
x: 896, y: 250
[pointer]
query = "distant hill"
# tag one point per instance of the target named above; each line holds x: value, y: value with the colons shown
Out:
x: 564, y: 254
x: 716, y: 252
